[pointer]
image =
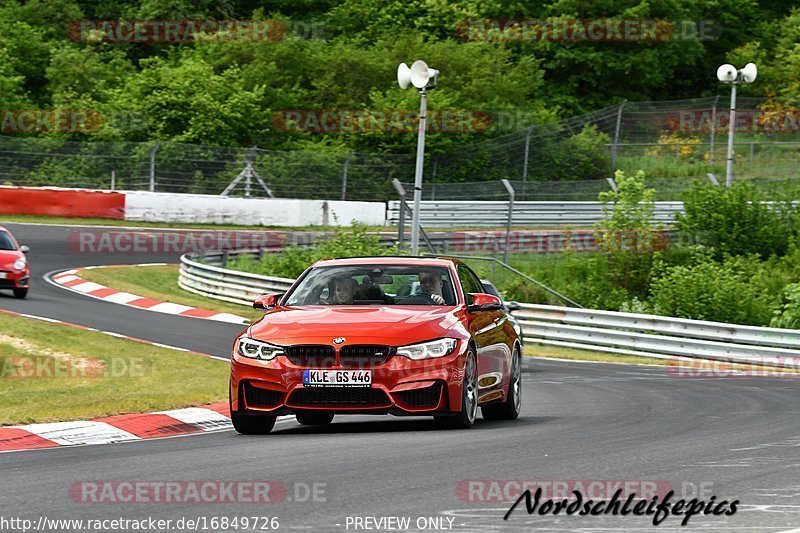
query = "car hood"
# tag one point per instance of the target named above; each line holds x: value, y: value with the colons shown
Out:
x: 7, y: 258
x: 393, y: 325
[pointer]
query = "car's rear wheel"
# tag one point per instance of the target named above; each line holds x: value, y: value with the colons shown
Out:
x: 21, y: 293
x: 469, y: 398
x: 252, y: 424
x: 314, y: 419
x: 511, y: 407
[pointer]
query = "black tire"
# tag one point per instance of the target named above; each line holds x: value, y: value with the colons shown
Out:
x: 20, y: 293
x: 469, y: 399
x: 511, y: 407
x: 314, y: 419
x: 252, y: 424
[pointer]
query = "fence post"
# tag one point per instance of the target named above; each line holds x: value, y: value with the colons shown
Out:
x: 713, y: 133
x: 113, y: 180
x: 401, y: 223
x: 344, y: 175
x: 433, y: 178
x: 510, y: 190
x: 616, y: 138
x: 525, y: 163
x: 153, y: 166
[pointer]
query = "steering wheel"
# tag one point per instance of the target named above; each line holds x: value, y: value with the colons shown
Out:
x: 422, y: 298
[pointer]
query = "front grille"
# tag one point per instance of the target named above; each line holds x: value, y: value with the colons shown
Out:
x: 339, y: 396
x: 427, y: 397
x: 256, y: 397
x: 7, y: 284
x: 311, y: 355
x: 364, y: 355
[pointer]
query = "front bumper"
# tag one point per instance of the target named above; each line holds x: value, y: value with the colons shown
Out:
x: 15, y: 279
x: 400, y: 386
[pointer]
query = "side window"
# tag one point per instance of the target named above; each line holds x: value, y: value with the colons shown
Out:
x: 469, y: 281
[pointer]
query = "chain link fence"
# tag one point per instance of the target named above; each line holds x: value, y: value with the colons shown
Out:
x: 676, y: 143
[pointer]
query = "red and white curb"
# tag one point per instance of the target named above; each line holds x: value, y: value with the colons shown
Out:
x: 71, y: 280
x: 120, y: 428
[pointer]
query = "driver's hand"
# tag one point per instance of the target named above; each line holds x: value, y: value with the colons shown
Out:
x: 438, y: 300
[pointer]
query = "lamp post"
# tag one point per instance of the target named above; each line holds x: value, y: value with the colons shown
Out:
x: 424, y: 79
x: 730, y: 74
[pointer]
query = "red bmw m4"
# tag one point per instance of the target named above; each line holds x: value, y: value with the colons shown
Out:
x: 377, y: 335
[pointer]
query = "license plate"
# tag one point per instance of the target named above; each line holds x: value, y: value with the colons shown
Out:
x: 337, y: 378
x: 3, y: 275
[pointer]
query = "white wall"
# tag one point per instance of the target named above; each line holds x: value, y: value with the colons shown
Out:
x: 201, y: 208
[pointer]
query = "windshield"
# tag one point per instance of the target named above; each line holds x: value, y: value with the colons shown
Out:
x: 5, y: 242
x: 374, y: 285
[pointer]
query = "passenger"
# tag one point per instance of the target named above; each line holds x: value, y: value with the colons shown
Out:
x: 345, y: 290
x: 431, y: 285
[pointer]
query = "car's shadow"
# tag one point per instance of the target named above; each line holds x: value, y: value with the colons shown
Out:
x: 400, y: 425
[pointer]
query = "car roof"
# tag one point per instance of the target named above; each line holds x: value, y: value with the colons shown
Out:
x: 391, y: 260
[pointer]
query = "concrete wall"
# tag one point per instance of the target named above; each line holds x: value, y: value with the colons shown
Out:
x: 200, y: 208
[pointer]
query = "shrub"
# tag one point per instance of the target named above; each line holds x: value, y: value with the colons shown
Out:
x: 626, y: 234
x: 788, y: 314
x: 710, y: 290
x: 736, y: 220
x: 293, y: 260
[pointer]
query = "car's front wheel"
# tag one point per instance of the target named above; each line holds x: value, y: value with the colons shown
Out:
x: 21, y: 293
x: 469, y: 398
x: 511, y: 407
x: 314, y: 419
x: 252, y: 424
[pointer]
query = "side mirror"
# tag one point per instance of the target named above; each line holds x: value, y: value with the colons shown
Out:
x: 480, y: 301
x: 24, y: 249
x: 268, y: 301
x: 513, y: 306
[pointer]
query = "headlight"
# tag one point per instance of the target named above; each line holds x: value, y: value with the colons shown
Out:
x: 19, y: 264
x: 428, y: 350
x: 258, y: 350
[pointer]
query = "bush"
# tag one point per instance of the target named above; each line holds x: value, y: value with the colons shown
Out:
x: 736, y: 220
x: 709, y: 290
x: 293, y: 260
x: 788, y: 314
x: 626, y: 234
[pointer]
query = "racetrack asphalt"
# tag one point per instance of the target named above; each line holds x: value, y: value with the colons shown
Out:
x: 730, y: 438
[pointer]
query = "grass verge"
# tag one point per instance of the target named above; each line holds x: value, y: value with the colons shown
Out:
x: 53, y: 372
x: 160, y: 283
x: 541, y: 350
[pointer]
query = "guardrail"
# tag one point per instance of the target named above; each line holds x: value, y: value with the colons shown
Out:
x: 607, y: 331
x: 472, y: 213
x: 207, y: 279
x: 657, y: 336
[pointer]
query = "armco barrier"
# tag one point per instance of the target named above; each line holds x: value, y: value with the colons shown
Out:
x: 608, y: 331
x: 472, y: 213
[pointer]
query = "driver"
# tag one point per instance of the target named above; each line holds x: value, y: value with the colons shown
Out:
x: 431, y: 284
x: 345, y: 290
